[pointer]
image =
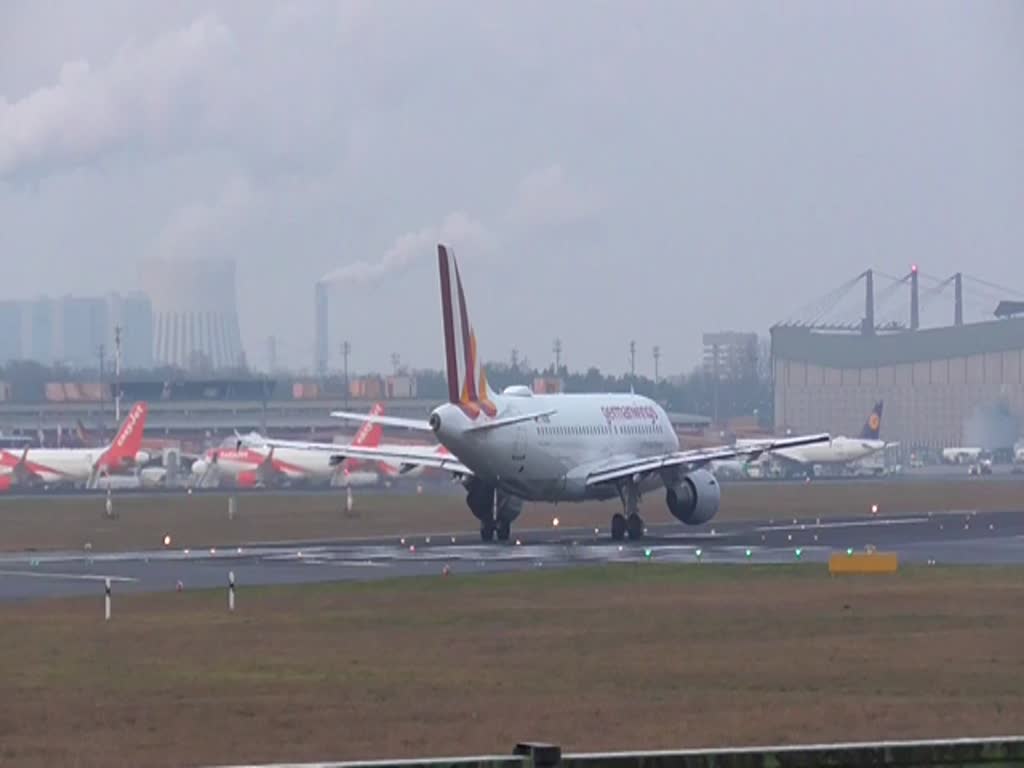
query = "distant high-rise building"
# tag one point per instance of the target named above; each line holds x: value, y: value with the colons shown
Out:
x: 11, y: 319
x: 730, y: 354
x: 38, y: 330
x: 80, y: 329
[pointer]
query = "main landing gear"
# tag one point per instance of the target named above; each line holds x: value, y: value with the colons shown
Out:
x: 628, y: 522
x: 494, y: 509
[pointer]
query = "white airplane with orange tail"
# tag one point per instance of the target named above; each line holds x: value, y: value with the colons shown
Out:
x: 356, y: 470
x: 252, y: 460
x: 78, y: 466
x: 519, y: 446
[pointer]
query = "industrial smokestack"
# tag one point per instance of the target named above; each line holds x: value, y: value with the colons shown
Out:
x: 915, y: 320
x: 320, y: 329
x: 958, y: 299
x: 869, y: 303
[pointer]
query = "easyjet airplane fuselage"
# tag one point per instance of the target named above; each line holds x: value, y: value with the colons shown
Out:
x: 287, y: 463
x: 79, y: 465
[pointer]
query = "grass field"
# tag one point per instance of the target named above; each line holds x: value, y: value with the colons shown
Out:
x: 616, y: 657
x: 197, y: 520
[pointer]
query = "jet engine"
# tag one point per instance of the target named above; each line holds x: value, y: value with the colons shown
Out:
x: 695, y: 498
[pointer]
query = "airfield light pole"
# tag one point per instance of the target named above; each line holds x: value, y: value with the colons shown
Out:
x: 632, y: 361
x: 117, y: 374
x: 346, y: 350
x: 557, y: 349
x: 103, y: 397
x: 657, y: 357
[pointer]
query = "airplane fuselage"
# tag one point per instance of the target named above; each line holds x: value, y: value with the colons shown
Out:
x: 840, y: 450
x: 549, y: 459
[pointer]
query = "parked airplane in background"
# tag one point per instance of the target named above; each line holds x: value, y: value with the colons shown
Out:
x: 77, y: 466
x: 518, y: 446
x: 838, y: 450
x: 252, y: 460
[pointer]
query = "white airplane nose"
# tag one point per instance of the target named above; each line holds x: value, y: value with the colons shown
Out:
x: 198, y: 467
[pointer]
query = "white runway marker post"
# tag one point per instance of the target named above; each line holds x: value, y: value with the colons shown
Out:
x: 106, y: 600
x: 232, y: 506
x: 348, y: 499
x: 231, y: 591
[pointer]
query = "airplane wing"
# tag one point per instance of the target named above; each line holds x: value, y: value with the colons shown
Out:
x: 411, y: 456
x: 387, y: 421
x: 697, y: 458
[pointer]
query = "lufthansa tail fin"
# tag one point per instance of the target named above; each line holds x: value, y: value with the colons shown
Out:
x: 873, y: 426
x: 467, y: 381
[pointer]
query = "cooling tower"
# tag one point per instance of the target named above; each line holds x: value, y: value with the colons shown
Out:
x: 195, y: 315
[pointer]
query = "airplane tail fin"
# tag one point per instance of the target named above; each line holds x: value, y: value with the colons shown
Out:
x: 467, y: 381
x: 369, y: 434
x: 128, y: 441
x: 873, y: 426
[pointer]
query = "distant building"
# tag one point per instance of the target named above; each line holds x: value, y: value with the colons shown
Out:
x: 38, y: 330
x: 11, y: 321
x: 80, y: 329
x: 71, y: 329
x: 730, y: 354
x: 942, y: 387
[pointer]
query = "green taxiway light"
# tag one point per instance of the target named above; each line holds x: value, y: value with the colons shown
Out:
x: 849, y: 551
x: 747, y: 553
x: 699, y: 552
x: 647, y: 553
x: 798, y: 553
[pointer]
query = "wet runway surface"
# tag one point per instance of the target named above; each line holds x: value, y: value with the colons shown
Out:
x: 942, y: 538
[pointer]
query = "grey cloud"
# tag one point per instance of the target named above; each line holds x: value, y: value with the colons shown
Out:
x: 138, y: 95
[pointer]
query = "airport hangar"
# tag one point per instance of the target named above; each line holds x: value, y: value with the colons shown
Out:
x: 942, y: 387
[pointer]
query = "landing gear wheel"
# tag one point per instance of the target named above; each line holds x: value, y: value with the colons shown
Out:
x: 635, y: 526
x: 618, y: 527
x: 487, y: 530
x: 504, y: 530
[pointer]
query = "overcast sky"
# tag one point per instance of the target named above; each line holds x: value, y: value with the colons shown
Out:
x: 605, y: 170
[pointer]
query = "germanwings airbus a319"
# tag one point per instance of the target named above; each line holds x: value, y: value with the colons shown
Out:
x: 518, y: 446
x: 77, y: 466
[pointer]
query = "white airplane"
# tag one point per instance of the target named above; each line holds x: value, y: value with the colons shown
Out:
x: 251, y: 460
x: 837, y: 451
x: 78, y: 466
x: 518, y: 446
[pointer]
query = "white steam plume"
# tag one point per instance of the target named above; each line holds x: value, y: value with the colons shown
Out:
x: 457, y: 229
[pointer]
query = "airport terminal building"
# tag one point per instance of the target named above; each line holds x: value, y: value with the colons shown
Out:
x: 942, y: 387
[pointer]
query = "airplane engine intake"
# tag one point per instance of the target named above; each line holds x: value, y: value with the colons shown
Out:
x: 695, y: 499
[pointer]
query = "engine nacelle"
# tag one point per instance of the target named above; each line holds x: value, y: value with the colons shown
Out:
x: 695, y: 499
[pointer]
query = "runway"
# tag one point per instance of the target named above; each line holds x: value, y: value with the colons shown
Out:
x: 937, y: 538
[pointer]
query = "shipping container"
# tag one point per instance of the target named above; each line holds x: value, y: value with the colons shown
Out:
x: 305, y: 390
x: 401, y: 386
x: 547, y: 385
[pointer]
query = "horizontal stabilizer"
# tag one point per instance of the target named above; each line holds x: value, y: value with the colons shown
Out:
x: 387, y: 421
x: 509, y: 420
